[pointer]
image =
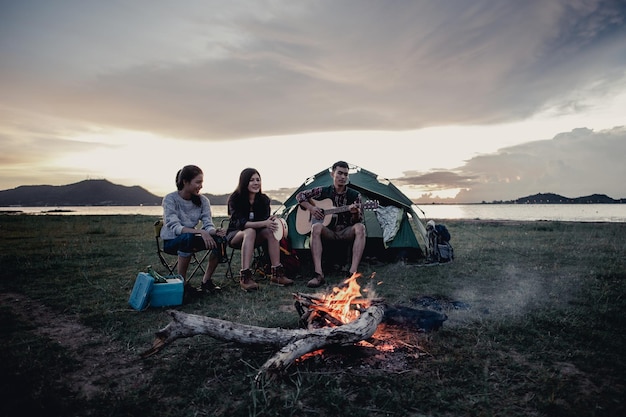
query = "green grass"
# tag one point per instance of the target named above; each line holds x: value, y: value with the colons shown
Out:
x: 545, y: 334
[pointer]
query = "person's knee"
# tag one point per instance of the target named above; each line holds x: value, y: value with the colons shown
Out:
x: 316, y: 229
x: 249, y: 233
x: 359, y: 230
x: 265, y: 234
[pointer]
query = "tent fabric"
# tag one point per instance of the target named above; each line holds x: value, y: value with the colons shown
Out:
x: 383, y: 242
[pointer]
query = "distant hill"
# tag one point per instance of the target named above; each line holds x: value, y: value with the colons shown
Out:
x: 88, y: 193
x: 550, y: 198
x: 105, y: 193
x: 84, y: 193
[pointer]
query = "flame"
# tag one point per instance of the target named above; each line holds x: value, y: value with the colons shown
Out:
x: 343, y: 305
x: 344, y: 302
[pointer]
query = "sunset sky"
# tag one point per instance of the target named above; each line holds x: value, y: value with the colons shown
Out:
x: 467, y: 101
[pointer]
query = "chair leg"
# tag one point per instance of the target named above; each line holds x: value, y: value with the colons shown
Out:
x: 197, y: 265
x: 229, y: 267
x: 164, y: 262
x: 259, y: 262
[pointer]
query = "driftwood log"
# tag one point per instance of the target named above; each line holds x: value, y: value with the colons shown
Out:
x: 293, y: 342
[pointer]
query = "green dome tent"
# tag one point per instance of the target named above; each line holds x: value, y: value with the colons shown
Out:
x: 393, y: 229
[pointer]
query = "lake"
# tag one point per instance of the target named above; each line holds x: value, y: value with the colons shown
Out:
x: 559, y: 212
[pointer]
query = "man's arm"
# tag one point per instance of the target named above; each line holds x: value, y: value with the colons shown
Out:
x: 356, y: 210
x: 305, y: 197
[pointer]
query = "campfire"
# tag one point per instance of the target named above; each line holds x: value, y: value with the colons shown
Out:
x: 340, y: 318
x: 341, y: 306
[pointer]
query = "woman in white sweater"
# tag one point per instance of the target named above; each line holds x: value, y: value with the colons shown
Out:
x: 183, y: 211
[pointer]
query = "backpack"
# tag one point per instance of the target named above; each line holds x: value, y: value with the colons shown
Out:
x: 289, y: 258
x: 439, y: 241
x: 442, y: 233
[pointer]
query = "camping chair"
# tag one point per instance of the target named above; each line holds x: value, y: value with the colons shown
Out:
x: 258, y: 261
x: 195, y: 265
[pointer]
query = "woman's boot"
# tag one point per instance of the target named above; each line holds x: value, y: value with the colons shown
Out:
x: 245, y: 280
x: 278, y: 276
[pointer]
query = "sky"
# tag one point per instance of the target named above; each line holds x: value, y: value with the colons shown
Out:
x: 452, y: 100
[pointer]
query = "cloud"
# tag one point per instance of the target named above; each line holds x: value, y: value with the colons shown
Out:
x: 32, y: 144
x: 574, y: 164
x: 435, y: 180
x: 219, y: 71
x: 87, y: 87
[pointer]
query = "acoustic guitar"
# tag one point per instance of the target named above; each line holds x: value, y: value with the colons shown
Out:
x: 304, y: 220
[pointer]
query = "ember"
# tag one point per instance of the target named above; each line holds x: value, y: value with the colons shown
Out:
x: 342, y: 305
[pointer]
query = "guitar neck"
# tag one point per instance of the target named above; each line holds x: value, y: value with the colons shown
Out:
x: 336, y: 210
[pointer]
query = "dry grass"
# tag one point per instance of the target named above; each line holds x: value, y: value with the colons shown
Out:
x: 541, y: 331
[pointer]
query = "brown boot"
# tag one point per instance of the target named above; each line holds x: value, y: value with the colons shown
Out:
x: 246, y: 282
x: 278, y: 276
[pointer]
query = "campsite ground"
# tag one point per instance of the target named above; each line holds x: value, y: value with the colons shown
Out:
x: 536, y: 326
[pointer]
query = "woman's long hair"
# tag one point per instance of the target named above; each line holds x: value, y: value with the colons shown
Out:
x: 188, y: 173
x: 240, y: 195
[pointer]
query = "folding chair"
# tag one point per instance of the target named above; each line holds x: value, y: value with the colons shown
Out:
x: 195, y: 265
x: 257, y: 261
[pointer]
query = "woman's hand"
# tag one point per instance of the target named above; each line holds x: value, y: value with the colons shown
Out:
x: 209, y: 242
x: 271, y: 224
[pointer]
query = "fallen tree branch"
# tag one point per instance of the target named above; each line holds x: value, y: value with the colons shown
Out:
x: 360, y: 329
x: 294, y: 342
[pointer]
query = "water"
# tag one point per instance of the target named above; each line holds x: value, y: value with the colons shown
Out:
x: 529, y: 212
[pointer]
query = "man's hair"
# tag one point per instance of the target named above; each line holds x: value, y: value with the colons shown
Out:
x: 342, y: 164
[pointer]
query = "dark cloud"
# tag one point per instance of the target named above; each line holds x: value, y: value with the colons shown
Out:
x: 218, y: 71
x: 435, y: 180
x: 281, y: 68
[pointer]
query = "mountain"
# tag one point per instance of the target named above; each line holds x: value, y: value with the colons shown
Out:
x: 105, y: 193
x: 84, y: 193
x: 89, y: 193
x: 550, y: 198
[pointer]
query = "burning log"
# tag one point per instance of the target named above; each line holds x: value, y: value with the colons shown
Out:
x: 343, y: 317
x: 295, y: 343
x: 314, y: 316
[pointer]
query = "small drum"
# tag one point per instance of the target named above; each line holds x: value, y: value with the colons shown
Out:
x: 282, y: 229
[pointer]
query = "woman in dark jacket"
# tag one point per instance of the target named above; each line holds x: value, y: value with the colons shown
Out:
x: 251, y: 224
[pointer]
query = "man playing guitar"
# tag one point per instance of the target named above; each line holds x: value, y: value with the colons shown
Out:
x: 349, y: 225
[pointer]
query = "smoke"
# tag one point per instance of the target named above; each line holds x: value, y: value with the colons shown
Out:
x: 516, y: 293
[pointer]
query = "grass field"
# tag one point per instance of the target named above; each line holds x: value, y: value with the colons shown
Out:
x: 542, y: 331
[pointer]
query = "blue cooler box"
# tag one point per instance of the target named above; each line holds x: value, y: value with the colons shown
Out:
x: 167, y: 294
x: 140, y: 296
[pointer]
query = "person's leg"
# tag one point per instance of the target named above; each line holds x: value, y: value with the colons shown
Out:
x: 317, y: 248
x: 183, y: 265
x: 273, y: 248
x: 207, y: 280
x: 183, y: 245
x: 247, y: 247
x: 318, y: 232
x: 358, y: 246
x: 180, y: 246
x: 244, y: 240
x: 357, y: 234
